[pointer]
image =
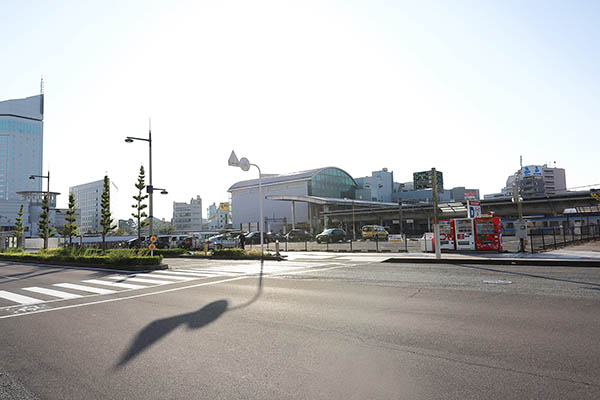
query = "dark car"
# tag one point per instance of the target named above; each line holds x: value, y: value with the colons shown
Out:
x: 254, y: 238
x: 331, y: 235
x: 298, y: 235
x: 274, y: 236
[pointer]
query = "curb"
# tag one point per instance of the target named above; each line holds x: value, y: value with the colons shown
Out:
x: 500, y: 261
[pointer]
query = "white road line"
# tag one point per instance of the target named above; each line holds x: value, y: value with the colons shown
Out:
x: 182, y: 273
x: 175, y: 278
x: 83, y: 288
x: 17, y: 298
x: 53, y: 293
x: 141, y: 280
x: 115, y: 284
x: 207, y: 272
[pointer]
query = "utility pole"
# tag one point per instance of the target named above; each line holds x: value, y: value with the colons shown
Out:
x: 436, y: 224
x: 517, y: 199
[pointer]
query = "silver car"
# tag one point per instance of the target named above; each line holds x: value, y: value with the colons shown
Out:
x: 223, y: 241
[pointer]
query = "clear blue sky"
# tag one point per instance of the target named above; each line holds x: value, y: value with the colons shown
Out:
x: 463, y: 86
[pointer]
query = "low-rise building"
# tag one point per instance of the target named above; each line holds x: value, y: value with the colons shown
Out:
x: 187, y: 217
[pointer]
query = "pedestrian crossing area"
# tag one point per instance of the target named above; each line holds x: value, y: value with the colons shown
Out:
x: 116, y: 283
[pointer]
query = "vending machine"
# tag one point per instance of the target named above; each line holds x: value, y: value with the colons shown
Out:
x: 488, y: 233
x: 447, y: 241
x: 465, y: 236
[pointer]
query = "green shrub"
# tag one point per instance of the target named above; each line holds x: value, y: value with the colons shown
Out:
x: 115, y: 257
x: 14, y: 250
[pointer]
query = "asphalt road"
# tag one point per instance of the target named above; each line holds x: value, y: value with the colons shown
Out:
x: 311, y: 328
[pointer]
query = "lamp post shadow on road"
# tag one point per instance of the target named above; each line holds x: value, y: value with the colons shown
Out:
x: 157, y: 330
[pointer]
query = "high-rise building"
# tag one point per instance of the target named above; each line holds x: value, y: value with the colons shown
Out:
x: 21, y: 144
x: 187, y: 217
x: 88, y: 199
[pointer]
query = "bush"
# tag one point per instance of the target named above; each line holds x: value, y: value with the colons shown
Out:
x: 115, y: 257
x: 14, y: 250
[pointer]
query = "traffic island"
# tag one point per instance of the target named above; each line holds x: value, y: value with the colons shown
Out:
x: 118, y: 259
x: 235, y: 254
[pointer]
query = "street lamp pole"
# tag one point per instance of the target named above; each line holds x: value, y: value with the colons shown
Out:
x: 150, y: 188
x: 244, y: 164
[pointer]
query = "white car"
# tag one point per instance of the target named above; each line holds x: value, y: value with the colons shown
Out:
x: 223, y: 241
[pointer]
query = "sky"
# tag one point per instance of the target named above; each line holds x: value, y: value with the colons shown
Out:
x: 466, y: 87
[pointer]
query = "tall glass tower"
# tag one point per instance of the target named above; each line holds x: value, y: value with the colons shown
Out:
x: 21, y: 145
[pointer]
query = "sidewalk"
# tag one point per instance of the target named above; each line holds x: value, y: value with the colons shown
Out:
x: 583, y: 255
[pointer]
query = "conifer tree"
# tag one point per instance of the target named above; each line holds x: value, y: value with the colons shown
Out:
x: 139, y: 205
x: 44, y: 229
x: 19, y: 227
x: 105, y: 216
x: 71, y: 228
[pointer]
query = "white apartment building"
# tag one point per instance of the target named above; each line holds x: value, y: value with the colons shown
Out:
x: 88, y: 199
x: 187, y: 217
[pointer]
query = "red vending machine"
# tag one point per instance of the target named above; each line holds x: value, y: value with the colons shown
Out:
x: 465, y: 237
x: 488, y: 233
x: 447, y: 241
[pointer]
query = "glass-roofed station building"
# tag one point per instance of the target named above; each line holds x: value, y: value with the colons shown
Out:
x: 293, y: 200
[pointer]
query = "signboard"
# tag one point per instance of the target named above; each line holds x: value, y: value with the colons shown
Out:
x: 532, y: 170
x: 153, y: 239
x: 151, y: 246
x: 473, y: 208
x: 472, y: 195
x: 423, y: 180
x: 521, y: 229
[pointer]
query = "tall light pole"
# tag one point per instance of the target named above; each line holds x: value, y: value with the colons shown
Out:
x: 47, y: 197
x: 149, y: 188
x: 244, y: 164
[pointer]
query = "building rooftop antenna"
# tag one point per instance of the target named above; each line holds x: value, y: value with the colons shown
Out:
x: 42, y: 85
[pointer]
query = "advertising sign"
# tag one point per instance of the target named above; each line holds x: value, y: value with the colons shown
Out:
x: 471, y: 195
x: 473, y: 208
x: 532, y: 170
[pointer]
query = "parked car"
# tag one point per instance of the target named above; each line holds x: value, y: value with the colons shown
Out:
x: 274, y: 236
x: 298, y: 235
x: 374, y: 232
x: 331, y: 235
x: 223, y: 241
x: 254, y: 238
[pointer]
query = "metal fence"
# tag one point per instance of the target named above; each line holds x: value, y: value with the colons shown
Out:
x: 411, y: 245
x: 543, y: 239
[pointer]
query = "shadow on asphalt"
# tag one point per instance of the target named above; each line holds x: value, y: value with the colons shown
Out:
x: 157, y: 330
x: 26, y: 275
x: 530, y: 275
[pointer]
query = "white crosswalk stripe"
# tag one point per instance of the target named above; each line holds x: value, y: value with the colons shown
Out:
x: 18, y: 298
x: 84, y: 288
x: 135, y: 279
x: 115, y: 284
x: 53, y: 293
x: 175, y: 278
x: 180, y: 272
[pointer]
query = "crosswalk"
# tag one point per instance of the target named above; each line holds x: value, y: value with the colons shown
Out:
x: 116, y: 283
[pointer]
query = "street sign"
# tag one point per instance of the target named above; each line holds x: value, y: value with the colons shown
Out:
x: 153, y: 239
x: 423, y: 180
x: 151, y: 246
